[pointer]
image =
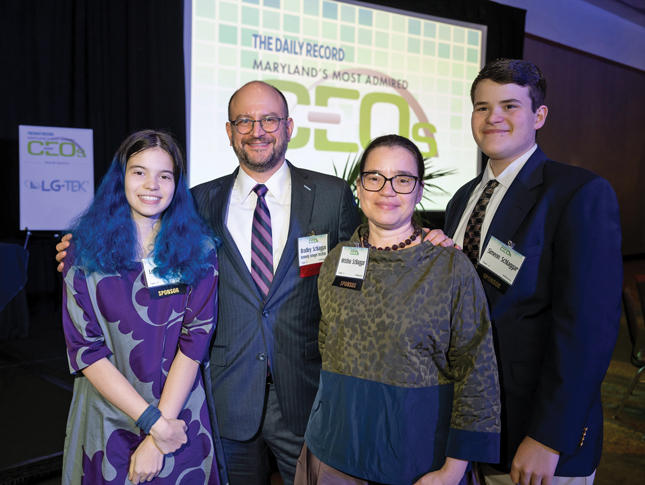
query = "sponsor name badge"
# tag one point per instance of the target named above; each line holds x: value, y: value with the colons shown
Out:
x: 161, y: 287
x: 499, y: 265
x: 352, y: 265
x: 312, y: 251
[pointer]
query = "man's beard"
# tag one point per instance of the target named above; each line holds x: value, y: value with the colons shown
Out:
x: 275, y: 157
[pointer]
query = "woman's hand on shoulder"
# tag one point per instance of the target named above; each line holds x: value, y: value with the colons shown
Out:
x: 169, y: 434
x: 450, y: 473
x: 146, y: 462
x: 61, y: 247
x: 438, y: 238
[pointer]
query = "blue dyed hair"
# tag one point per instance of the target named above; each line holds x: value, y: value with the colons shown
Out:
x: 105, y: 235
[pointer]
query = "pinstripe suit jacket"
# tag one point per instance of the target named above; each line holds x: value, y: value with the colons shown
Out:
x: 285, y: 328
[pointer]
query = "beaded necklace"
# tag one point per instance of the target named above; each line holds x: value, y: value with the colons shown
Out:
x: 401, y: 245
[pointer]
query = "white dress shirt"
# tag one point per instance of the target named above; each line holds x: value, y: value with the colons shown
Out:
x: 241, y: 206
x: 505, y: 180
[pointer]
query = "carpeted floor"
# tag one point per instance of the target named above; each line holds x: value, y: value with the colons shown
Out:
x: 623, y: 458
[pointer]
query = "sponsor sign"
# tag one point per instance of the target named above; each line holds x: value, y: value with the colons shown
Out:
x: 56, y: 176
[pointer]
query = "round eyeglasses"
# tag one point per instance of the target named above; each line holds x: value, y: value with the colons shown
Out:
x: 244, y: 126
x: 401, y: 184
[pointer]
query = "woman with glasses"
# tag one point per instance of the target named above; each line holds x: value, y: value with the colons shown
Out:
x: 408, y: 390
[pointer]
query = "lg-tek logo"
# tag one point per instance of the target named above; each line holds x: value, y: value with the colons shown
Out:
x: 57, y: 185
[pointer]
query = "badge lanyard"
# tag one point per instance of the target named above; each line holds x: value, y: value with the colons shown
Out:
x: 312, y: 251
x: 500, y: 264
x: 352, y: 265
x: 161, y: 287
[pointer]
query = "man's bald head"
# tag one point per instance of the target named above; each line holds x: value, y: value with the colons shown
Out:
x: 284, y: 100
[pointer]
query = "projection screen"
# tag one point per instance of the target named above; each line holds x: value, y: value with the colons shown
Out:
x: 350, y: 71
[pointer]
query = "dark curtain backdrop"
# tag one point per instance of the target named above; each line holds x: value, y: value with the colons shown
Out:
x: 117, y: 66
x: 114, y: 66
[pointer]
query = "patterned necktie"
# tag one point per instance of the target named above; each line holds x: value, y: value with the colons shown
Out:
x: 262, y: 243
x: 474, y: 228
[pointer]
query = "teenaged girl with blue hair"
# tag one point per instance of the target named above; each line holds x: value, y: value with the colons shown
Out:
x: 140, y: 285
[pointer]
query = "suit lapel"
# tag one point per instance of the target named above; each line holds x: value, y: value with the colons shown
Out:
x: 302, y: 202
x: 518, y: 200
x: 219, y: 197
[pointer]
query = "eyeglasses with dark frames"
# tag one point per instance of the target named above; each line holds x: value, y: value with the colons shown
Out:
x: 269, y: 124
x: 401, y: 184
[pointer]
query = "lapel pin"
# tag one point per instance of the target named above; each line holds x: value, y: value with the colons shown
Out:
x: 510, y: 244
x: 307, y: 188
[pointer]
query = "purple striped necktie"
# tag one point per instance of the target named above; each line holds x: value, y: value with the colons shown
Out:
x: 262, y: 243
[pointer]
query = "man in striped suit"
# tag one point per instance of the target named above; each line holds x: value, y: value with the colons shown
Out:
x: 265, y: 362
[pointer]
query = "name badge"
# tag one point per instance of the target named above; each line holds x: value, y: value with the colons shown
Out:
x: 161, y: 287
x: 312, y: 251
x: 499, y: 265
x: 350, y: 272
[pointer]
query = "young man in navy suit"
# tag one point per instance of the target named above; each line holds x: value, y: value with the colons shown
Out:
x: 545, y: 238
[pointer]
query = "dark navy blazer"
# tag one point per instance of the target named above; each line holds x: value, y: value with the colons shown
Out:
x: 284, y: 330
x: 556, y: 327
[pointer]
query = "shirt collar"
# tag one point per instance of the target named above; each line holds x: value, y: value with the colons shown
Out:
x: 277, y: 185
x: 507, y: 177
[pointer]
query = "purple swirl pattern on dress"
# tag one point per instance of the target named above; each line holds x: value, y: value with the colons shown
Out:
x: 113, y: 316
